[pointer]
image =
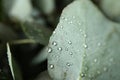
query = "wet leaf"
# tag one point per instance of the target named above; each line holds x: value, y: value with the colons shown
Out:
x: 85, y: 45
x: 42, y: 56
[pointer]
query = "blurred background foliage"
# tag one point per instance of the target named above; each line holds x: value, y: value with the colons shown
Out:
x: 27, y: 26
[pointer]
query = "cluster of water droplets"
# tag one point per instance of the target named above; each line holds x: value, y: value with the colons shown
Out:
x: 50, y: 50
x: 54, y: 43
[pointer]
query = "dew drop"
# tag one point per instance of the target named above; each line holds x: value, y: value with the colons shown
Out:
x: 60, y: 49
x: 105, y: 69
x: 95, y: 60
x: 99, y: 44
x: 54, y: 43
x: 54, y: 32
x: 51, y: 66
x: 70, y: 42
x: 85, y: 35
x: 79, y: 23
x: 61, y: 27
x: 66, y: 19
x: 68, y: 64
x: 85, y: 45
x: 82, y: 74
x: 62, y: 17
x: 49, y: 50
x: 71, y: 53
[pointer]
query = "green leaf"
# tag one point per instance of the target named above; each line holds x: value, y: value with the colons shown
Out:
x: 85, y: 45
x: 42, y: 56
x: 37, y: 32
x: 46, y: 6
x: 14, y: 9
x: 13, y: 65
x: 43, y: 76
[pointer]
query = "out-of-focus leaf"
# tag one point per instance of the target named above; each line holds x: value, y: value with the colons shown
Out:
x: 47, y: 6
x: 7, y: 5
x: 111, y: 8
x: 43, y: 76
x: 42, y: 56
x: 6, y: 33
x: 37, y: 32
x: 13, y: 66
x: 20, y: 10
x: 85, y: 45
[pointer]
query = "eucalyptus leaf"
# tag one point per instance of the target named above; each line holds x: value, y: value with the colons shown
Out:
x: 85, y: 45
x: 37, y: 32
x: 16, y: 73
x: 42, y: 56
x: 43, y: 76
x: 46, y: 6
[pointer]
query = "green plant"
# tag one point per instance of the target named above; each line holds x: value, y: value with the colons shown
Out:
x: 84, y: 45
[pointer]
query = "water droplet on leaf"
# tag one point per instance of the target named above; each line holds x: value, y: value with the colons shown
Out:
x: 71, y: 53
x: 61, y: 27
x: 82, y: 74
x: 69, y: 42
x: 49, y: 50
x: 99, y: 44
x: 95, y: 60
x: 54, y: 32
x: 60, y: 49
x: 85, y: 45
x: 68, y: 64
x: 51, y: 66
x: 70, y: 22
x: 54, y: 43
